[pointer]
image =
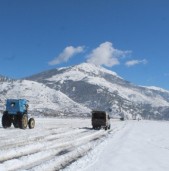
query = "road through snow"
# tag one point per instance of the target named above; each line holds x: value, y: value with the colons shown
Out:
x: 135, y: 146
x: 71, y: 145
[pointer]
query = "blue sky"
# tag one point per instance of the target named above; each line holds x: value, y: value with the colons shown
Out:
x: 130, y: 37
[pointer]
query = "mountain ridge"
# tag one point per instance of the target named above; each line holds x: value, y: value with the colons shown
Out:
x: 99, y: 88
x: 42, y: 99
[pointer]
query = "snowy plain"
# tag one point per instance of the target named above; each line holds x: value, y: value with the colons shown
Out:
x: 72, y: 145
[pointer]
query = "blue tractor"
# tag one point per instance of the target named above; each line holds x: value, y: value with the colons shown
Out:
x: 17, y: 113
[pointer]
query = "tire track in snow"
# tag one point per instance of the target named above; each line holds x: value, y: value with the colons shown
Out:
x: 20, y: 141
x: 50, y: 154
x: 32, y: 147
x: 65, y: 160
x: 41, y: 145
x: 71, y: 141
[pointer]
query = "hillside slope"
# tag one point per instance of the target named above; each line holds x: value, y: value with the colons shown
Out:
x: 42, y: 99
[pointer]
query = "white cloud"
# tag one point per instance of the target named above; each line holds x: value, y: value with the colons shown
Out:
x: 135, y: 62
x: 67, y: 53
x: 106, y: 55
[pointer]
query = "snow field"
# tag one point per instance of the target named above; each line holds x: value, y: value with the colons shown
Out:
x: 52, y: 145
x: 135, y: 146
x: 72, y: 145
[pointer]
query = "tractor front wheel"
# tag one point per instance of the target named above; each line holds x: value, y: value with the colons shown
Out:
x: 6, y: 121
x: 31, y: 123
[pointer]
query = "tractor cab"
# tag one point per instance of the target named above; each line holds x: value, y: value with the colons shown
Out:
x: 13, y: 106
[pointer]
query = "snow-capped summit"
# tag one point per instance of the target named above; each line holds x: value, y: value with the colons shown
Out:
x: 76, y: 72
x: 92, y: 68
x: 80, y: 72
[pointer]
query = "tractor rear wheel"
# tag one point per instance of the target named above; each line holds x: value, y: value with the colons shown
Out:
x: 31, y: 123
x: 23, y: 123
x: 6, y: 121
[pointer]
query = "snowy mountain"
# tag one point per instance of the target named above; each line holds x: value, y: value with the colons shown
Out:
x: 157, y: 88
x: 98, y: 88
x: 42, y: 99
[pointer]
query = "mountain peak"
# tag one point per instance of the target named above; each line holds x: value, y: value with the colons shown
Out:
x: 89, y: 67
x: 81, y: 72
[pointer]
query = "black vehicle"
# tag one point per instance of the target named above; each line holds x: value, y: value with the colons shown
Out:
x: 100, y: 119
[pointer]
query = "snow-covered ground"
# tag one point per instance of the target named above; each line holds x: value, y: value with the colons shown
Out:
x: 71, y: 145
x: 134, y: 146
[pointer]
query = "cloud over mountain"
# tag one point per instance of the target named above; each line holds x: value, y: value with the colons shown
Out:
x: 67, y: 53
x: 106, y: 55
